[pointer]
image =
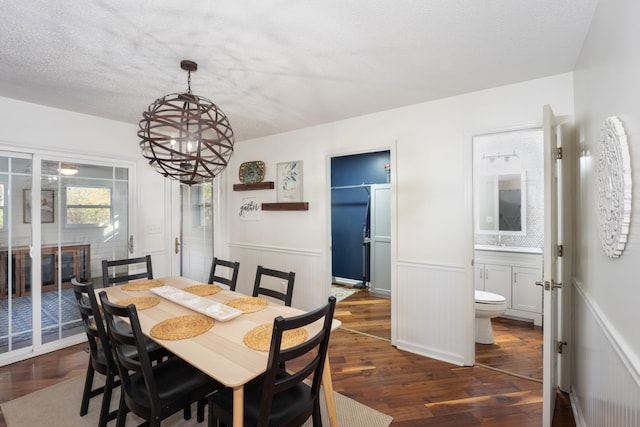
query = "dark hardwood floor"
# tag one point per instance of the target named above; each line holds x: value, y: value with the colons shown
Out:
x: 414, y: 390
x: 517, y: 348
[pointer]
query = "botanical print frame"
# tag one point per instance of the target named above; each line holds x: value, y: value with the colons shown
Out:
x: 289, y: 181
x: 46, y: 206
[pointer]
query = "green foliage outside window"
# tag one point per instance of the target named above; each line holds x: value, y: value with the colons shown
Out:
x: 88, y: 205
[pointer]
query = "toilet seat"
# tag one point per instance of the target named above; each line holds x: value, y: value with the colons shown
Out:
x: 483, y: 297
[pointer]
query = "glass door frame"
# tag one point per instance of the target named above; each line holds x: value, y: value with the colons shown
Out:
x: 37, y: 157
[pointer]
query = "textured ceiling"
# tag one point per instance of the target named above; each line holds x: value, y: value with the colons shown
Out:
x: 276, y: 65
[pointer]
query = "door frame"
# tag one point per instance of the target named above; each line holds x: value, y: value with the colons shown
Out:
x: 37, y: 156
x: 564, y: 309
x: 392, y: 148
x: 219, y: 243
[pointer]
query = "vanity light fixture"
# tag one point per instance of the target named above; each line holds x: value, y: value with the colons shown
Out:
x: 492, y: 158
x: 186, y: 137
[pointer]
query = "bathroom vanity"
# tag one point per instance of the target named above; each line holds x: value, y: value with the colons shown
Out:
x: 512, y: 272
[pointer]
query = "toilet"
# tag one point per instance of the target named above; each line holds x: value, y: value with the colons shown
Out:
x: 488, y: 306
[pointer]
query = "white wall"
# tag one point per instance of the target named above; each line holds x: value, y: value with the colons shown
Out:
x: 431, y: 164
x: 607, y: 343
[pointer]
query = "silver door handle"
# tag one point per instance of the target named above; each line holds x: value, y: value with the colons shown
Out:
x: 549, y: 285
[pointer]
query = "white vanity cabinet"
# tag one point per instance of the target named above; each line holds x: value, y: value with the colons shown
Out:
x: 513, y: 275
x: 494, y: 278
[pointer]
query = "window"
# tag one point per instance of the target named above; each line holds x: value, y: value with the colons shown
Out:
x: 202, y: 196
x: 88, y: 206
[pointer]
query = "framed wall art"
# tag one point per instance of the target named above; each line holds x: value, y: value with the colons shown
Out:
x: 46, y: 206
x: 289, y: 182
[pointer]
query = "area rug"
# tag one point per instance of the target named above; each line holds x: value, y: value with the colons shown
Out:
x: 341, y: 293
x: 59, y: 405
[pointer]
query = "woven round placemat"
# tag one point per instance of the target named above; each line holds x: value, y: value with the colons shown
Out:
x: 248, y: 304
x: 259, y: 338
x: 203, y: 290
x: 142, y: 285
x: 179, y: 328
x: 141, y: 303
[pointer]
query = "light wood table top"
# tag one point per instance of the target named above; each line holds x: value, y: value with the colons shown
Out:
x: 220, y: 352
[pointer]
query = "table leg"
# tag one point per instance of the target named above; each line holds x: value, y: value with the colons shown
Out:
x: 327, y: 385
x: 238, y: 406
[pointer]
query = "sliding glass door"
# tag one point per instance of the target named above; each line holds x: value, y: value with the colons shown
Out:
x: 61, y: 218
x: 16, y: 311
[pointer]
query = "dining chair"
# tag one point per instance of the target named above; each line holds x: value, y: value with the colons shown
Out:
x: 111, y: 279
x: 100, y: 359
x: 279, y: 397
x: 100, y: 352
x: 233, y: 267
x: 152, y: 392
x: 259, y: 288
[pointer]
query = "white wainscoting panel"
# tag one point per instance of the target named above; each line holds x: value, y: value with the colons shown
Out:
x: 435, y: 312
x: 311, y: 287
x: 606, y: 379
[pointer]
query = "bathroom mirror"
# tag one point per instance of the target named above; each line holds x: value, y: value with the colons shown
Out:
x: 501, y: 203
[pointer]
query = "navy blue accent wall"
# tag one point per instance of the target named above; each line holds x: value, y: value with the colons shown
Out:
x: 349, y: 210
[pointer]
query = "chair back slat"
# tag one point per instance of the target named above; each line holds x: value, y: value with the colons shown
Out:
x: 234, y: 268
x: 110, y: 274
x: 260, y: 289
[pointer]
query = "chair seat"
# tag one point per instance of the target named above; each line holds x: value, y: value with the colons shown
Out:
x: 176, y: 381
x: 285, y: 406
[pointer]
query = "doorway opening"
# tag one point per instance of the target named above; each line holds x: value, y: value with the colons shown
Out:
x: 361, y: 229
x: 508, y: 183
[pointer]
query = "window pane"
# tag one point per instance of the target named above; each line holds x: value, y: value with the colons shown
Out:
x: 88, y: 216
x: 89, y: 196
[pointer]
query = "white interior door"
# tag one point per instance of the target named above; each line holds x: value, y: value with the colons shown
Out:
x: 552, y: 268
x: 381, y: 239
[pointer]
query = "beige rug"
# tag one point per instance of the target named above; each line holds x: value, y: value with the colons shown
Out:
x: 341, y: 293
x: 59, y: 406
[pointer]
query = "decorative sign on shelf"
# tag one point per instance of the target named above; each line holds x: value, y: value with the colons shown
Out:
x: 249, y: 209
x: 614, y: 187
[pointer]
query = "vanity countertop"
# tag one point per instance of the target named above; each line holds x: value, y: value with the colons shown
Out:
x: 501, y: 248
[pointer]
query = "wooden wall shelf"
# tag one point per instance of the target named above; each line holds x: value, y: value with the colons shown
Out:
x: 289, y: 206
x: 266, y: 185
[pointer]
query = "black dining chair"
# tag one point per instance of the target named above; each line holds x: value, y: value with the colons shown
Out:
x: 279, y: 397
x: 100, y: 354
x: 152, y: 392
x: 108, y: 267
x: 259, y: 287
x: 231, y: 267
x: 100, y: 359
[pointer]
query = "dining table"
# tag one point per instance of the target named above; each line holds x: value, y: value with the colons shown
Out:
x: 220, y: 352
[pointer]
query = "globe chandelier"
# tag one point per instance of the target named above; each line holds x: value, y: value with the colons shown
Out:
x: 186, y: 137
